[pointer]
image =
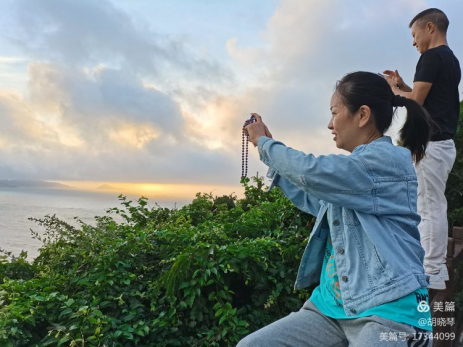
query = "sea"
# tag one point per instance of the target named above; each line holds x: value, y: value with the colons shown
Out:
x: 17, y: 205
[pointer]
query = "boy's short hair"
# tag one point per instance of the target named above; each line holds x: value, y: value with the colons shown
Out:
x: 433, y: 15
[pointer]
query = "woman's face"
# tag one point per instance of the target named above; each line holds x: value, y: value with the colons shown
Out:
x: 343, y: 126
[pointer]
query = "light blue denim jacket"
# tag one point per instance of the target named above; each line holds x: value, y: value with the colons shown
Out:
x: 370, y: 196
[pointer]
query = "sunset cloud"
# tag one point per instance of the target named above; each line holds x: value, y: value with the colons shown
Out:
x: 99, y: 90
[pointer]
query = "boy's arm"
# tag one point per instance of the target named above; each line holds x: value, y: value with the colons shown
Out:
x: 427, y: 71
x: 419, y: 92
x: 405, y: 88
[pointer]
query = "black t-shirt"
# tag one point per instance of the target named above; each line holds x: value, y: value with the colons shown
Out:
x: 440, y: 67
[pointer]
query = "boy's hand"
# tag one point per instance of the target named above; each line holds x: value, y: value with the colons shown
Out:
x: 394, y: 79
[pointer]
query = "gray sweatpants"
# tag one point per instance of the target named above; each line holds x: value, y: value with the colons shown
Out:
x: 310, y: 328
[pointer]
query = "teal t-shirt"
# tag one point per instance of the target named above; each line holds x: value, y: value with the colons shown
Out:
x: 409, y: 309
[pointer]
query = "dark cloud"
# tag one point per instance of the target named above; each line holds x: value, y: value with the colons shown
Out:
x: 87, y: 33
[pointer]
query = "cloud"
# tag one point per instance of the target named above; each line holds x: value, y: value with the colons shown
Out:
x: 98, y: 102
x: 99, y: 124
x: 87, y: 33
x: 109, y: 98
x: 309, y: 45
x: 104, y: 99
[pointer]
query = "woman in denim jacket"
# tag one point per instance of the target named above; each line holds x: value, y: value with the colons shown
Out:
x: 364, y: 250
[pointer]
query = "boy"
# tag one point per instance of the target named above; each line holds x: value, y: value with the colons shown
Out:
x: 435, y: 86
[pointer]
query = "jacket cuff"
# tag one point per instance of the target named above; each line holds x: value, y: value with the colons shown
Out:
x: 260, y: 146
x: 271, y: 173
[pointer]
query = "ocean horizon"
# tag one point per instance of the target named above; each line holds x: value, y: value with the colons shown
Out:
x: 18, y: 204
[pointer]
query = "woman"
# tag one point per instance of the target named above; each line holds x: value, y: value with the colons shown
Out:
x: 364, y: 248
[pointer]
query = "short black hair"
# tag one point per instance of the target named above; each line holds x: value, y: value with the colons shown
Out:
x: 433, y: 15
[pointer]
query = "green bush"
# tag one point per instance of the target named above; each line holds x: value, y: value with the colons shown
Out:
x: 203, y: 275
x: 17, y: 268
x: 454, y: 191
x: 454, y: 194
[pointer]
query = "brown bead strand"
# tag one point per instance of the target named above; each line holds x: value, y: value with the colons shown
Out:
x: 244, y: 148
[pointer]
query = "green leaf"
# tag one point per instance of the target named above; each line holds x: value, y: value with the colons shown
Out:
x: 31, y: 320
x: 184, y: 285
x: 128, y: 317
x: 97, y: 313
x: 63, y: 340
x: 128, y: 336
x: 190, y: 300
x: 104, y: 303
x: 38, y: 298
x: 172, y: 311
x: 65, y: 312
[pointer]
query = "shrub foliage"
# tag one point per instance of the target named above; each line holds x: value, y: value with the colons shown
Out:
x: 454, y: 190
x: 202, y: 275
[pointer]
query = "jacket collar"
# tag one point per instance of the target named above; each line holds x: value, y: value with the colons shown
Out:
x: 386, y: 139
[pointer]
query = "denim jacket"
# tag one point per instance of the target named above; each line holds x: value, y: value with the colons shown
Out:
x: 370, y: 199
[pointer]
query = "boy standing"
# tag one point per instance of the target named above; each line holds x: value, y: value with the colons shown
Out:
x: 435, y: 86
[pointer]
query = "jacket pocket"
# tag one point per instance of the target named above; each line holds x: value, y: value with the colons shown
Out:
x: 378, y: 259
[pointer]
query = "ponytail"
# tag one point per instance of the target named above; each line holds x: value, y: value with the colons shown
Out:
x: 416, y: 131
x: 366, y: 88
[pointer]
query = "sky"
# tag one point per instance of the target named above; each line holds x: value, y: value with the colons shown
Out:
x: 151, y: 91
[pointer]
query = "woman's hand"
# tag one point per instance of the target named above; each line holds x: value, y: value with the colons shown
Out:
x: 257, y: 129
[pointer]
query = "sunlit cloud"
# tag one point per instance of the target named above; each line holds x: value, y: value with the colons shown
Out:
x: 136, y: 135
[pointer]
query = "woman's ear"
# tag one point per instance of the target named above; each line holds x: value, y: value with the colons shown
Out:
x: 365, y: 115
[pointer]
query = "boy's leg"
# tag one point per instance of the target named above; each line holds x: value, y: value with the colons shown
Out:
x: 306, y: 328
x: 432, y: 173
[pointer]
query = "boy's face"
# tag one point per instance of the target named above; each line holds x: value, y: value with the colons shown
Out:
x: 421, y: 36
